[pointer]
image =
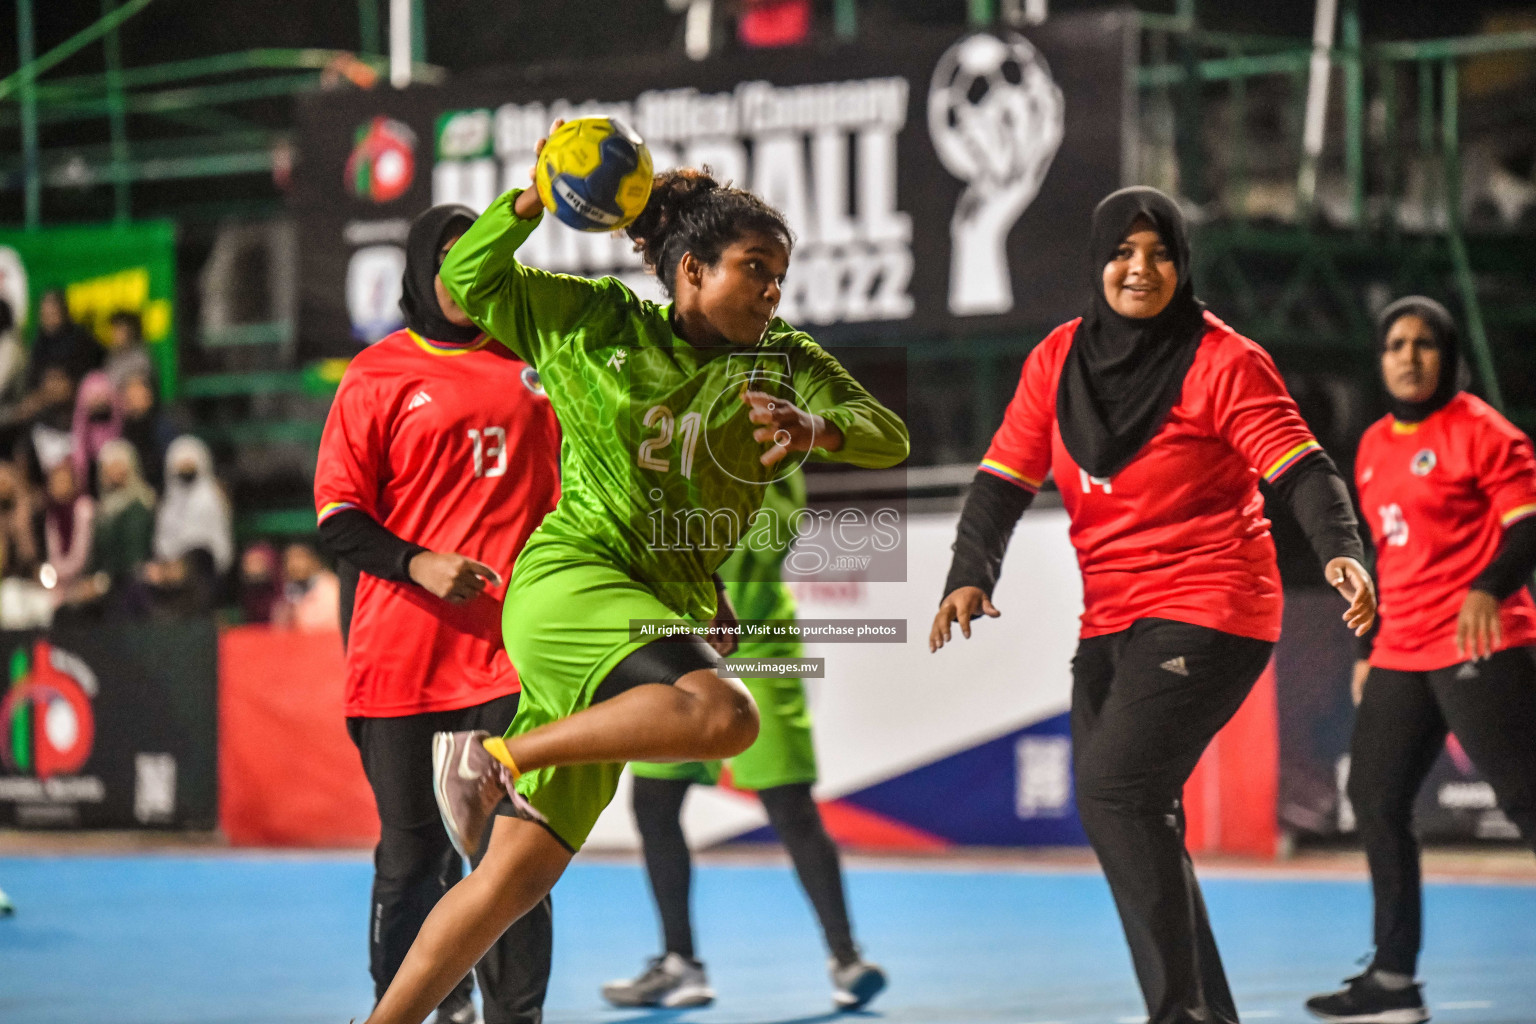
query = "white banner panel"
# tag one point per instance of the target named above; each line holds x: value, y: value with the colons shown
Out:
x: 886, y: 709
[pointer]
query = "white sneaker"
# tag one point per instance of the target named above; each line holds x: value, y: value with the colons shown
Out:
x: 467, y: 786
x: 672, y: 981
x: 854, y: 985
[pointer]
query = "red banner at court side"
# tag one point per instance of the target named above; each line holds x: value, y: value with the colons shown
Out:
x: 288, y: 773
x: 1229, y: 802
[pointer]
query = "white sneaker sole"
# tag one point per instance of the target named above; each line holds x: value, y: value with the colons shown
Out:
x: 1412, y: 1015
x: 677, y: 999
x: 688, y: 995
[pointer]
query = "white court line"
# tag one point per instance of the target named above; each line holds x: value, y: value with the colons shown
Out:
x: 1470, y: 1004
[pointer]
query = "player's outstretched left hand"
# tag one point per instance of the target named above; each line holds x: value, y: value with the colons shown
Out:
x: 1349, y: 578
x: 452, y: 577
x: 785, y: 428
x: 963, y: 605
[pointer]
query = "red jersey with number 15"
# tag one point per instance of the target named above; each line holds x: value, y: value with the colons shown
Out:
x: 1180, y: 532
x: 1437, y: 495
x: 455, y: 448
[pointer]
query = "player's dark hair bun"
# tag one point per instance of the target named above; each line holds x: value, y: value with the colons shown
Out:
x: 690, y: 211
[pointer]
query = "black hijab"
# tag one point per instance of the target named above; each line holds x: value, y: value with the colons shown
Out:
x: 1123, y: 375
x: 418, y: 295
x: 1453, y: 369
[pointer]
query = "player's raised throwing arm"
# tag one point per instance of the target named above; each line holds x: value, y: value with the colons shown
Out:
x: 531, y: 310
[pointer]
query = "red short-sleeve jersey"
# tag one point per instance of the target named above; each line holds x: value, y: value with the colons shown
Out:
x: 1180, y: 532
x: 454, y: 448
x: 1437, y: 496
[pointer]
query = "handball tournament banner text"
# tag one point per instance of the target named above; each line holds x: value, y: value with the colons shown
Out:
x: 935, y: 184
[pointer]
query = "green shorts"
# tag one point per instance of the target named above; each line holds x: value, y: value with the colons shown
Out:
x: 783, y: 753
x: 566, y: 626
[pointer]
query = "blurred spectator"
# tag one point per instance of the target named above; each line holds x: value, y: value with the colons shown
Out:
x: 18, y: 537
x: 24, y: 604
x: 13, y: 359
x: 259, y: 587
x: 145, y: 427
x: 128, y: 355
x: 68, y: 524
x: 61, y: 342
x: 98, y: 419
x: 51, y: 408
x: 13, y: 381
x: 125, y: 515
x: 311, y: 593
x: 194, y: 542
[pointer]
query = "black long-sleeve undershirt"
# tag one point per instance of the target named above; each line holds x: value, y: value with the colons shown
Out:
x: 1319, y: 500
x: 1314, y: 491
x: 1513, y: 562
x: 362, y: 540
x: 992, y: 509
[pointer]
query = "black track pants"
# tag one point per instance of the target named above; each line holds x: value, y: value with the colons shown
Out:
x: 1146, y: 702
x: 414, y: 864
x: 1400, y: 729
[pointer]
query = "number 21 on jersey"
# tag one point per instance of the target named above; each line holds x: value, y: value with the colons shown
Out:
x: 659, y: 418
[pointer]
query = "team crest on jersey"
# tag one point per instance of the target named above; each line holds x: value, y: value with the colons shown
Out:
x: 532, y: 382
x: 1422, y: 463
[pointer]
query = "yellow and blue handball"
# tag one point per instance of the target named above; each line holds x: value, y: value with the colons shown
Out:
x: 594, y: 173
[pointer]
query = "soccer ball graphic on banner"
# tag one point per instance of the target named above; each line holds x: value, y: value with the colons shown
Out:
x: 594, y: 174
x: 996, y: 118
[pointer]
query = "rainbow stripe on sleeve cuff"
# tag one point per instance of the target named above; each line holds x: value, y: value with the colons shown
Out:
x: 1518, y: 513
x: 1010, y: 474
x: 1289, y: 459
x: 330, y: 508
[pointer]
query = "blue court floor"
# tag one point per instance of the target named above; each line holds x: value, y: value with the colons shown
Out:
x: 228, y: 939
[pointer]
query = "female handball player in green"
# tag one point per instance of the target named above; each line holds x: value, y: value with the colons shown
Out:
x: 676, y: 418
x: 780, y: 768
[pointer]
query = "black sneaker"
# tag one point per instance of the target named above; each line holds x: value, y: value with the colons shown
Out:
x: 1366, y: 1001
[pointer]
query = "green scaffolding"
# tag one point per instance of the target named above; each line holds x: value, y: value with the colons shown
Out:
x: 1297, y: 285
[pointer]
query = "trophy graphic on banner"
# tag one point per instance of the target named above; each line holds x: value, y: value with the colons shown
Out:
x: 996, y: 117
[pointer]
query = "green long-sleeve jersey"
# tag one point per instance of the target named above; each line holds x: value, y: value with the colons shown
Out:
x: 660, y: 475
x: 753, y: 574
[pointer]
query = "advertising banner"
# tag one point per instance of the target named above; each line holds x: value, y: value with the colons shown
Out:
x: 128, y: 268
x: 935, y: 184
x: 109, y: 726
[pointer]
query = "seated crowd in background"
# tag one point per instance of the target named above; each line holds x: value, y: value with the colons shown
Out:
x: 104, y: 510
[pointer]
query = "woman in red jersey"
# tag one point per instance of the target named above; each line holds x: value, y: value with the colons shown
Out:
x: 1158, y: 422
x: 1448, y: 487
x: 440, y: 456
